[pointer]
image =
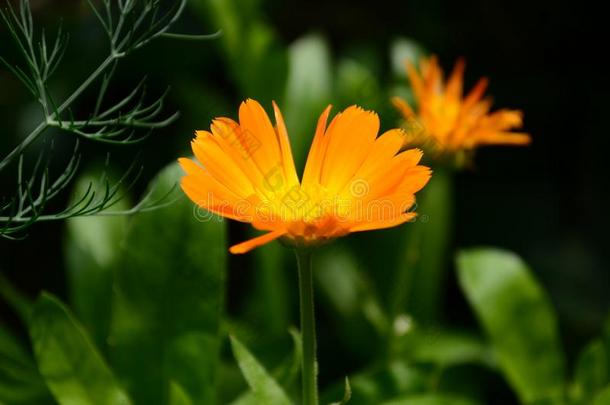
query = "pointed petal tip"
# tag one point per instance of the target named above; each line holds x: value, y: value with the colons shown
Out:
x: 245, y: 247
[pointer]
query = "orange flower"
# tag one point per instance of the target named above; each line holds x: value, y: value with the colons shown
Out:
x: 353, y: 180
x: 450, y: 122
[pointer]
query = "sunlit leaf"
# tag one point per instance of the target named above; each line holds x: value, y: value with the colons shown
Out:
x: 516, y: 314
x: 68, y: 361
x: 592, y: 371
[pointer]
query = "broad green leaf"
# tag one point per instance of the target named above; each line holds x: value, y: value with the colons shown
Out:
x: 592, y: 371
x: 419, y: 279
x: 92, y: 249
x: 308, y: 91
x: 20, y: 382
x: 431, y: 399
x: 168, y: 298
x: 265, y: 388
x: 177, y: 396
x: 518, y: 318
x: 401, y: 51
x: 68, y: 361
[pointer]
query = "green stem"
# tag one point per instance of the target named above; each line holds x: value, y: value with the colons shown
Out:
x: 308, y: 328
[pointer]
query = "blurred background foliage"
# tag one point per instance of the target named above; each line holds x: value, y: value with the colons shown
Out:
x: 138, y: 308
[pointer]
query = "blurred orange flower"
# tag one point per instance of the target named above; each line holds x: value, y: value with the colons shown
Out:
x: 446, y: 121
x: 353, y: 180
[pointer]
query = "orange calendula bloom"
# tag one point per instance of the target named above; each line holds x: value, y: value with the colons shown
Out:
x: 447, y: 121
x: 353, y: 180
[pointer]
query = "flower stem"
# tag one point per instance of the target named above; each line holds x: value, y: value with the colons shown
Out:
x: 308, y: 328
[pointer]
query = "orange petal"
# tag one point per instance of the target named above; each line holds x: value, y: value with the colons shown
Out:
x: 403, y: 107
x: 415, y: 79
x: 502, y: 138
x: 236, y: 142
x: 476, y: 93
x: 205, y: 191
x: 316, y: 151
x: 386, y: 223
x: 384, y: 149
x: 455, y: 82
x: 255, y: 242
x: 414, y: 179
x: 385, y: 181
x: 221, y: 165
x: 255, y: 122
x: 284, y: 142
x: 350, y: 139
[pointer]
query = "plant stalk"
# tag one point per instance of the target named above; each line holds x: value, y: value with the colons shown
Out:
x: 308, y: 328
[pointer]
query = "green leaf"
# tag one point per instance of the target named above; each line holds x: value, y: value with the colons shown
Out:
x: 347, y: 394
x: 265, y: 388
x: 431, y: 399
x: 177, y: 396
x: 20, y: 382
x: 308, y: 91
x: 92, y: 249
x: 592, y: 371
x: 518, y: 318
x: 286, y: 374
x: 168, y: 299
x: 68, y: 361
